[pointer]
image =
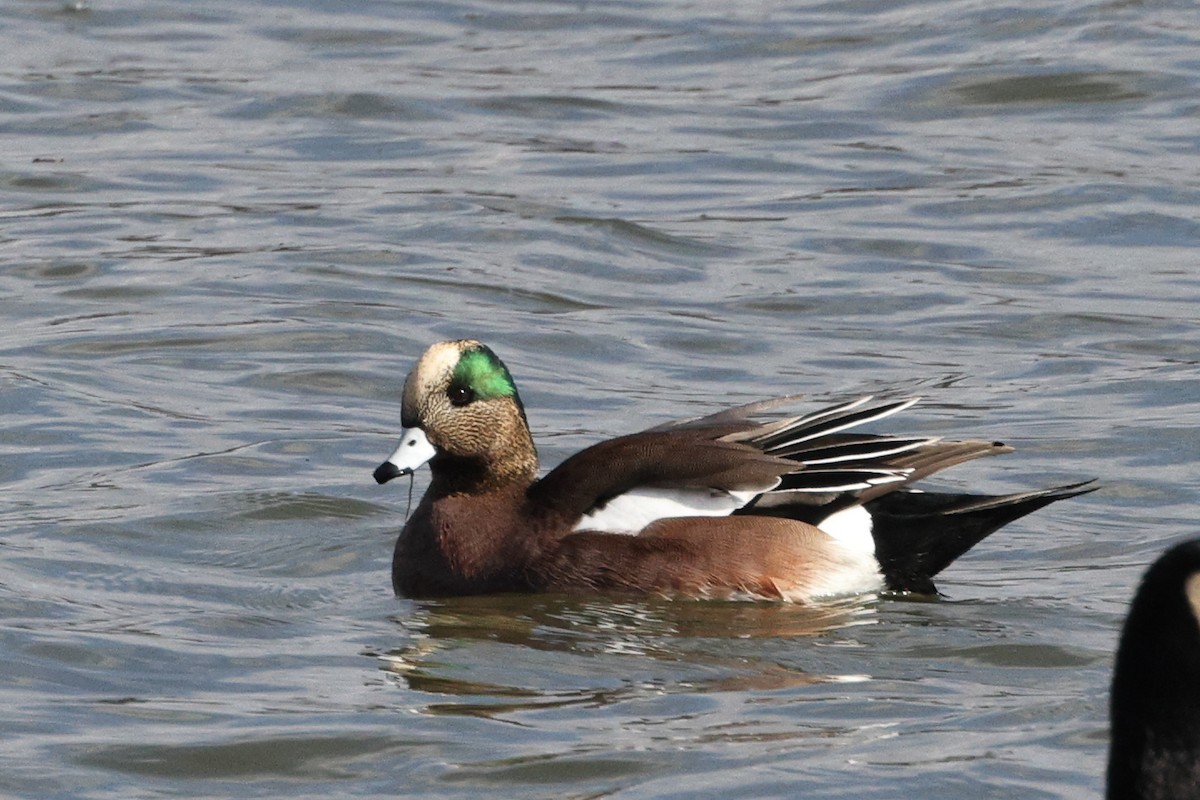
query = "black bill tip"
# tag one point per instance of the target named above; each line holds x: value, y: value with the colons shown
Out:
x: 386, y: 471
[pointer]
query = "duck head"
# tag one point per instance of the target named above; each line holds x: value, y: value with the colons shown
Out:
x: 461, y: 414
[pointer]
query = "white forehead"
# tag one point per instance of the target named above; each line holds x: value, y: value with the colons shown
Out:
x: 432, y: 371
x: 439, y: 360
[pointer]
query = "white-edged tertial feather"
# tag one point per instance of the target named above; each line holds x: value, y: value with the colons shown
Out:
x: 839, y: 480
x: 827, y: 423
x: 863, y: 450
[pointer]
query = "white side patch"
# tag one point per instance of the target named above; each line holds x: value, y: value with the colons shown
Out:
x: 852, y: 527
x: 859, y: 573
x: 634, y: 510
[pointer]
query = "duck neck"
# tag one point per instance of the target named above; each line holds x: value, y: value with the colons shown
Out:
x: 514, y: 468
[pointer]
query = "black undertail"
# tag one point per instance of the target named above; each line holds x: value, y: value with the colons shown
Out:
x: 918, y: 534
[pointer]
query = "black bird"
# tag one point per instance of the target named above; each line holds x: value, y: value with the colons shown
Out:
x: 1155, y: 703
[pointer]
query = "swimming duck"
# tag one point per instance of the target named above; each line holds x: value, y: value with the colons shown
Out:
x: 718, y: 506
x: 1155, y: 701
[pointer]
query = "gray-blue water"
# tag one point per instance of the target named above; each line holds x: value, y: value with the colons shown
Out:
x: 227, y: 229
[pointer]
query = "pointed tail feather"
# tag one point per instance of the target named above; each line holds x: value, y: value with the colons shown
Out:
x: 917, y: 535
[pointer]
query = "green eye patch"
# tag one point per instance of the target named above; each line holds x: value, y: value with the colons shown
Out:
x: 481, y: 371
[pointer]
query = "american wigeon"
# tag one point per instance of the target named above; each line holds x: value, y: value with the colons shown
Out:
x: 721, y: 505
x: 1155, y: 702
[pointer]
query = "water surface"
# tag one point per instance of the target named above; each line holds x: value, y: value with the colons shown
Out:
x: 227, y: 230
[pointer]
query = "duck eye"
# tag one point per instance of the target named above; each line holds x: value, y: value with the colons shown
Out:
x: 460, y: 395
